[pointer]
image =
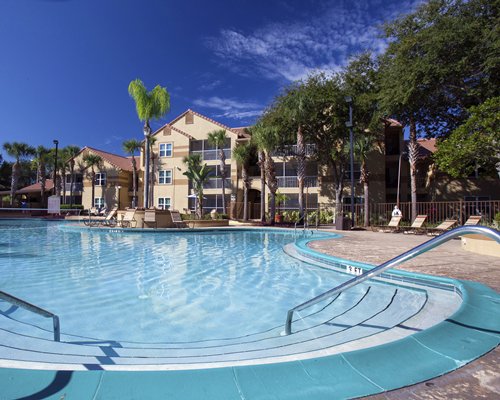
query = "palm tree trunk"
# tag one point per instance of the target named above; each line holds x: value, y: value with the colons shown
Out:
x: 72, y: 182
x: 364, y: 180
x: 244, y: 174
x: 42, y: 179
x: 14, y: 180
x: 272, y: 184
x: 222, y: 171
x: 134, y: 182
x: 301, y: 170
x: 152, y: 180
x: 413, y: 158
x: 262, y: 158
x: 93, y: 188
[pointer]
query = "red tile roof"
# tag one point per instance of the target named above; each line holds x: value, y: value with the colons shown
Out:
x: 35, y: 188
x: 120, y: 162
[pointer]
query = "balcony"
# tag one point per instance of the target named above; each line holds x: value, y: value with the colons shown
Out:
x: 291, y: 151
x: 77, y: 187
x: 216, y: 183
x: 209, y: 155
x: 292, y: 182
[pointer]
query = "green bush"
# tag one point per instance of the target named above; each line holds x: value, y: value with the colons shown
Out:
x: 496, y: 220
x: 71, y: 207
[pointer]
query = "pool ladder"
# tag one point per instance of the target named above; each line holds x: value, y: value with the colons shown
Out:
x: 416, y: 251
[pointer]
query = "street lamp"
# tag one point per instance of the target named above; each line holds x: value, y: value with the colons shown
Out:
x: 56, y: 142
x: 147, y: 131
x: 118, y: 188
x: 348, y: 124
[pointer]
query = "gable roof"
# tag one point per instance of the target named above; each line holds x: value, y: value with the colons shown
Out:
x: 35, y: 188
x: 120, y: 162
x: 242, y: 132
x: 227, y: 128
x: 173, y: 128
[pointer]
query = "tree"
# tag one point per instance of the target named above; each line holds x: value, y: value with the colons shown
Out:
x: 152, y: 174
x: 473, y: 145
x: 131, y: 147
x: 71, y: 152
x: 217, y: 138
x: 242, y: 153
x: 92, y: 161
x: 41, y: 159
x: 19, y: 151
x: 265, y: 137
x: 149, y: 105
x: 198, y: 174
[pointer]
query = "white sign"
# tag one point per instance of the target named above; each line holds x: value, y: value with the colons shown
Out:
x: 353, y: 270
x: 54, y: 205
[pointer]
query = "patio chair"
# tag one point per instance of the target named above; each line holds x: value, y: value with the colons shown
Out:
x: 444, y: 226
x: 417, y: 225
x: 110, y: 219
x: 176, y: 219
x: 129, y: 218
x: 150, y: 218
x: 392, y: 226
x: 473, y: 220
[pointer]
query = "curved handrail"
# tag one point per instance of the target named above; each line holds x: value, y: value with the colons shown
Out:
x: 37, y: 310
x: 422, y: 248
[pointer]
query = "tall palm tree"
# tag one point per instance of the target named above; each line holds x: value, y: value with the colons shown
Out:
x: 131, y: 147
x: 363, y: 145
x: 265, y: 137
x: 92, y: 161
x: 71, y: 153
x: 149, y: 105
x: 242, y: 153
x: 152, y: 174
x: 18, y: 151
x: 217, y: 138
x: 41, y: 159
x: 198, y: 174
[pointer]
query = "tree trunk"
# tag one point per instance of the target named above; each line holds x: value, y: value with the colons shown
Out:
x: 301, y: 170
x: 222, y: 171
x: 262, y: 159
x: 134, y: 183
x: 413, y: 158
x: 364, y: 180
x: 152, y: 180
x: 42, y: 172
x: 244, y: 174
x: 93, y: 188
x: 14, y: 179
x: 72, y: 182
x: 272, y: 184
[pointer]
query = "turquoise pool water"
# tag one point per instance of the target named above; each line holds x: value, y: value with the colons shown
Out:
x: 156, y: 287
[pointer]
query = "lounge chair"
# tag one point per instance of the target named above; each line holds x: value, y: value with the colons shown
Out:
x: 417, y: 225
x: 392, y: 226
x: 176, y: 219
x: 110, y: 219
x: 150, y: 218
x: 444, y: 226
x: 473, y: 220
x: 129, y: 218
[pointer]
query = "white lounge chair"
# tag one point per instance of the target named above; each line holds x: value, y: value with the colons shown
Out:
x: 150, y: 218
x: 447, y: 224
x: 128, y: 220
x: 417, y: 225
x: 176, y: 219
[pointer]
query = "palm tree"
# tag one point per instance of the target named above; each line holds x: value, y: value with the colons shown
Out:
x: 41, y: 159
x: 18, y: 151
x: 149, y: 105
x: 131, y: 147
x: 242, y: 153
x: 152, y: 174
x: 71, y: 153
x: 198, y: 174
x: 92, y: 161
x: 217, y: 138
x: 363, y: 145
x: 265, y: 137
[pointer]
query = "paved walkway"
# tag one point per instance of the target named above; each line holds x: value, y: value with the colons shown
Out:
x: 479, y: 379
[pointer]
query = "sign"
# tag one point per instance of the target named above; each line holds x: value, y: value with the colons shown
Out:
x: 54, y: 205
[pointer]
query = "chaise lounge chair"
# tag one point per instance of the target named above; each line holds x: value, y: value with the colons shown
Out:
x: 473, y: 220
x: 110, y: 219
x: 417, y: 225
x: 176, y: 219
x: 150, y: 218
x: 129, y: 218
x: 443, y: 227
x: 392, y: 226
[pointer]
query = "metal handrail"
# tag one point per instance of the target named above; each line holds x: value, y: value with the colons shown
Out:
x: 37, y: 310
x: 422, y: 248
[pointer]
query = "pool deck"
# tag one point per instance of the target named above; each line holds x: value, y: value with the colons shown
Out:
x: 480, y: 378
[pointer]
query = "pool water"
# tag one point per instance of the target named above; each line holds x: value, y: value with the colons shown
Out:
x: 156, y: 287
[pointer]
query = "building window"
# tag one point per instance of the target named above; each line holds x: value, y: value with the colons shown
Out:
x: 100, y: 179
x: 165, y: 177
x: 99, y: 202
x: 164, y: 203
x: 165, y: 149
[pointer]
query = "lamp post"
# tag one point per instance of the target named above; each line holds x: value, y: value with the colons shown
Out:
x: 118, y: 189
x: 56, y: 142
x: 348, y: 124
x: 146, y: 166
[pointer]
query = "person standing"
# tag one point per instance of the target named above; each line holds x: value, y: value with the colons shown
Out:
x: 396, y: 212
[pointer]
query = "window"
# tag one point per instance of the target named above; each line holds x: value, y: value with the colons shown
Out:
x: 165, y: 177
x: 100, y: 179
x: 164, y: 203
x: 165, y: 149
x: 99, y: 202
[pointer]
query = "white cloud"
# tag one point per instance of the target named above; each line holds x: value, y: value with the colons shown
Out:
x: 231, y: 108
x: 290, y: 51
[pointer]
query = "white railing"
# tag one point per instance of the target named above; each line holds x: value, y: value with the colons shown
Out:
x: 292, y: 182
x: 209, y: 155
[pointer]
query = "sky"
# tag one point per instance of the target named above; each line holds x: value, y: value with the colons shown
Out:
x: 65, y: 65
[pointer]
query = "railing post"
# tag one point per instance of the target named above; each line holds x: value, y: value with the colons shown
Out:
x: 57, y: 328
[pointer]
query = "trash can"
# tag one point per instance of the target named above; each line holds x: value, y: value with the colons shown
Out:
x: 343, y: 223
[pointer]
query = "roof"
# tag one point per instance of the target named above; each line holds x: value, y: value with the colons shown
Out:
x: 426, y: 147
x: 242, y: 132
x: 120, y: 162
x: 392, y: 122
x: 35, y: 188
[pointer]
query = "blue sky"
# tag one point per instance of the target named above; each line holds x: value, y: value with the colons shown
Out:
x: 65, y: 65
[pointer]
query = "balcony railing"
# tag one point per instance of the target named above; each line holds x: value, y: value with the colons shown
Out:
x: 292, y: 182
x: 77, y: 187
x: 209, y: 155
x: 216, y: 183
x: 291, y: 151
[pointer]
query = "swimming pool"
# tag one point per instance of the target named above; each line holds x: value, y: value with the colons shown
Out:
x: 189, y: 301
